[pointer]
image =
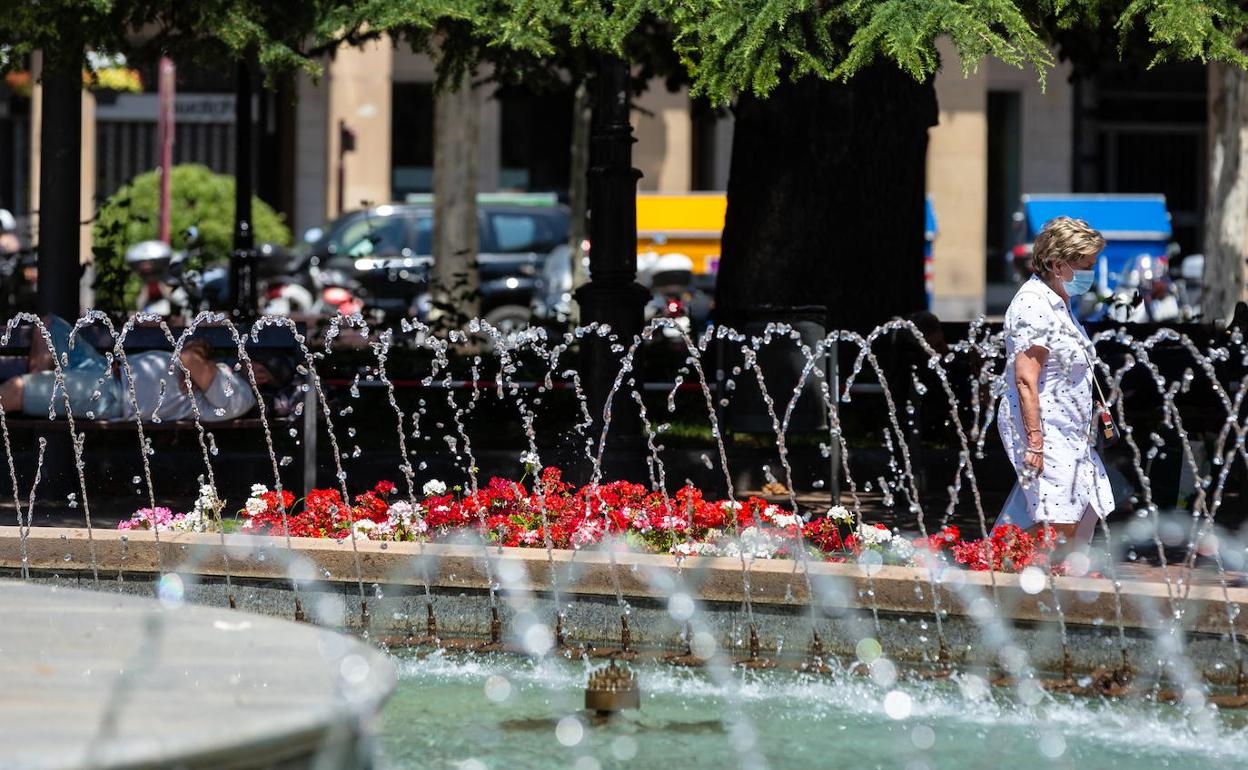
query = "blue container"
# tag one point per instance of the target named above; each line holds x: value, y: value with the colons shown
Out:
x: 1133, y: 226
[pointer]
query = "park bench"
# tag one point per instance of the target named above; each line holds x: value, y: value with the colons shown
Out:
x: 271, y: 341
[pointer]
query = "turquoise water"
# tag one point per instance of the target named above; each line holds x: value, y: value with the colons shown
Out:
x: 510, y: 713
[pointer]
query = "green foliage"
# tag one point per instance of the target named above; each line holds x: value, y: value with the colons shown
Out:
x: 198, y: 198
x: 730, y: 46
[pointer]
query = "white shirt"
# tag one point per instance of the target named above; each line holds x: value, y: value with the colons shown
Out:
x: 1074, y: 478
x: 161, y: 393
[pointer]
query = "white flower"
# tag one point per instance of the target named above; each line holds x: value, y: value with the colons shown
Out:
x: 192, y: 521
x: 255, y: 506
x: 530, y: 461
x: 363, y: 527
x: 403, y: 515
x: 840, y: 514
x: 695, y: 549
x: 401, y: 512
x: 731, y: 505
x: 873, y: 535
x: 782, y: 519
x: 258, y: 490
x: 434, y: 488
x: 753, y: 542
x: 901, y: 548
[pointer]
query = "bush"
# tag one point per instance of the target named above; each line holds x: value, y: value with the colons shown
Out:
x: 198, y: 197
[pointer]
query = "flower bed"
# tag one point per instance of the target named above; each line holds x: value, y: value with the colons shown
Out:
x: 555, y: 513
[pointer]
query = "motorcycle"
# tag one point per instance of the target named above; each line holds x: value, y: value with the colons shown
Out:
x: 670, y: 280
x: 173, y: 284
x: 305, y: 288
x: 1144, y: 293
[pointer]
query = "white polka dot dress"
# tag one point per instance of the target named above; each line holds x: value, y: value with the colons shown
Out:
x: 1074, y: 478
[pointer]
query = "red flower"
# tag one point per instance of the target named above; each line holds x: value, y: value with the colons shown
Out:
x: 1007, y: 549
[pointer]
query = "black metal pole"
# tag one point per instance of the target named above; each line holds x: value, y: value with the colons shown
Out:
x: 243, y: 300
x: 60, y: 182
x: 612, y: 295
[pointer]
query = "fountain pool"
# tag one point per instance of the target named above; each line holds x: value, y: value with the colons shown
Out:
x: 489, y: 712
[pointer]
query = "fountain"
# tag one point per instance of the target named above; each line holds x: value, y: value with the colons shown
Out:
x: 746, y: 610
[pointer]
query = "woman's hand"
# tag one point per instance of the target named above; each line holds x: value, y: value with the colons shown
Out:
x: 1033, y: 460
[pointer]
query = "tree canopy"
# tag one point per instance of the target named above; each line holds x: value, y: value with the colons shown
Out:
x: 725, y: 47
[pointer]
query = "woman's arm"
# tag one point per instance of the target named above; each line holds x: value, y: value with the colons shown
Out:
x: 1027, y: 367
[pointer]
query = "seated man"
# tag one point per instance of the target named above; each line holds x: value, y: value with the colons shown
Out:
x: 100, y: 392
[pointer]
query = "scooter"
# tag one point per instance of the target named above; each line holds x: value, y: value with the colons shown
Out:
x: 1144, y: 293
x: 172, y: 283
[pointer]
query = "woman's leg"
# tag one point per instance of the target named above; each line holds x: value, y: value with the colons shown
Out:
x: 1075, y: 536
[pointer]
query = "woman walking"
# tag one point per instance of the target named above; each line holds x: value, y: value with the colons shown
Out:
x: 1046, y: 415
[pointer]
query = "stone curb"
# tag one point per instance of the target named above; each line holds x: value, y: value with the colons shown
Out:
x: 1085, y: 601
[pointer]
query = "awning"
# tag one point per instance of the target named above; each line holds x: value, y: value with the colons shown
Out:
x: 1118, y: 217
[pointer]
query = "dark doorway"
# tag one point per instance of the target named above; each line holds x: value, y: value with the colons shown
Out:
x: 1004, y: 153
x: 411, y: 139
x: 535, y: 139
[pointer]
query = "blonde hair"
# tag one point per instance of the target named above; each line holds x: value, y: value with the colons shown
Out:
x: 1064, y: 241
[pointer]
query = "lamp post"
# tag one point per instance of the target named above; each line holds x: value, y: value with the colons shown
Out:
x: 243, y: 299
x: 612, y: 295
x: 60, y: 181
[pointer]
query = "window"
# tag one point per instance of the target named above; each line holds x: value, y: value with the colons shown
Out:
x: 516, y: 232
x: 368, y: 236
x: 424, y: 236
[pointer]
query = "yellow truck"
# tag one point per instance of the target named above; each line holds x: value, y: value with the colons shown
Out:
x: 682, y: 223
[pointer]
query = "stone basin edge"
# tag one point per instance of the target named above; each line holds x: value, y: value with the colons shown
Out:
x: 1085, y: 601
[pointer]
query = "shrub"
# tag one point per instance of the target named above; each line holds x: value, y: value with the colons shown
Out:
x: 198, y: 198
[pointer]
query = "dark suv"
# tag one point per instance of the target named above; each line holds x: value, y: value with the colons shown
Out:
x: 387, y: 251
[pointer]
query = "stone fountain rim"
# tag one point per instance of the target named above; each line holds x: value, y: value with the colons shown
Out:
x: 70, y: 622
x: 1086, y: 601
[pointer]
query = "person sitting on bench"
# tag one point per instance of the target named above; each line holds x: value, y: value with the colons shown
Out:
x: 98, y: 391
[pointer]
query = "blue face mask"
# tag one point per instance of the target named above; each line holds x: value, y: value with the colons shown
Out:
x: 1080, y: 283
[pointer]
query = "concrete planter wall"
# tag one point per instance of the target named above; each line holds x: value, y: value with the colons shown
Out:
x: 895, y: 604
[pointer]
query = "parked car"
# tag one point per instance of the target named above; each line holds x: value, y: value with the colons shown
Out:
x: 385, y: 255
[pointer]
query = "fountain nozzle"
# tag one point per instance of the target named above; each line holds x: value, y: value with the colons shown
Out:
x: 626, y: 651
x: 496, y: 634
x: 300, y: 617
x: 756, y: 660
x: 817, y: 663
x: 612, y: 688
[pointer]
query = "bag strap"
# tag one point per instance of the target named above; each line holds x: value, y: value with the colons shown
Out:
x: 1099, y: 393
x: 1089, y: 354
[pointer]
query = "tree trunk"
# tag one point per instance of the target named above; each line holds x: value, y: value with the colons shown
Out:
x: 454, y: 280
x: 60, y: 182
x: 1226, y: 221
x: 826, y: 199
x: 578, y: 196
